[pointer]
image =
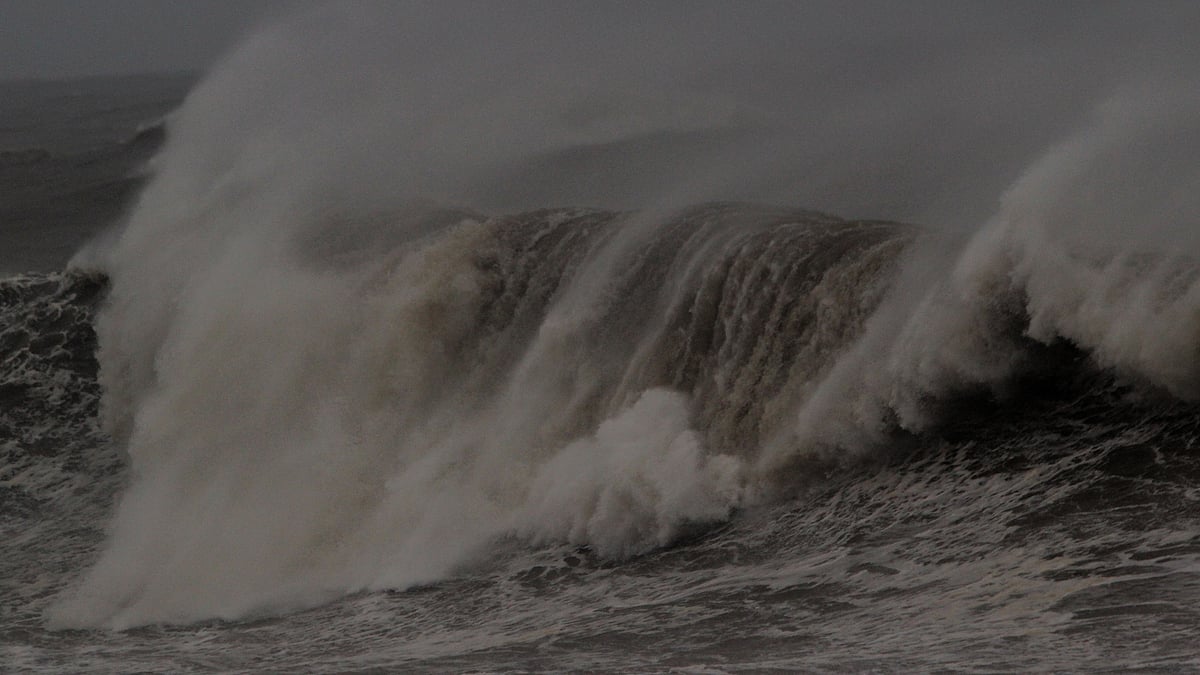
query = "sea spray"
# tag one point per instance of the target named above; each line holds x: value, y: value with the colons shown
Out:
x: 333, y: 368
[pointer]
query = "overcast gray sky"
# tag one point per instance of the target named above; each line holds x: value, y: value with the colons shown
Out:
x: 68, y: 38
x: 917, y: 110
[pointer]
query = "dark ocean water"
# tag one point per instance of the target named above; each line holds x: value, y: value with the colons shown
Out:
x: 726, y: 437
x: 72, y: 154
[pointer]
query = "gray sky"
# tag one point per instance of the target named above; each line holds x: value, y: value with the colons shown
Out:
x: 68, y: 38
x: 919, y: 110
x: 65, y: 38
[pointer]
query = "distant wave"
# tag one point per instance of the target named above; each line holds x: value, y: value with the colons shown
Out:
x: 150, y: 134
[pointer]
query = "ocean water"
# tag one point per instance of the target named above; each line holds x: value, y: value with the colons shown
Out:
x: 73, y: 154
x: 302, y: 372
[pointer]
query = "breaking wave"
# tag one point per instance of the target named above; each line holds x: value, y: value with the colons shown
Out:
x: 326, y: 380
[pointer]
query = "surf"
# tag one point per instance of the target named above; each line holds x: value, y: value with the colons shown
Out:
x: 334, y: 364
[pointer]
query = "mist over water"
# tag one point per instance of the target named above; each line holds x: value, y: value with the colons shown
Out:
x: 923, y: 114
x: 339, y: 362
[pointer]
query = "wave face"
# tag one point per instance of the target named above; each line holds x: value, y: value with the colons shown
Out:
x: 539, y: 375
x: 1070, y: 482
x: 332, y: 366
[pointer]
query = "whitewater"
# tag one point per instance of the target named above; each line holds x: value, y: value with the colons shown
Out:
x: 565, y: 364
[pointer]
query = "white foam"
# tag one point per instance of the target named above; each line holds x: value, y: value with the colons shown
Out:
x: 633, y: 485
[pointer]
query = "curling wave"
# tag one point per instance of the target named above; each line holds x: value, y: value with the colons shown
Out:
x: 374, y: 409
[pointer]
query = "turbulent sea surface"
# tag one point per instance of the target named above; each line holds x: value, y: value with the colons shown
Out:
x: 297, y: 407
x: 1055, y: 528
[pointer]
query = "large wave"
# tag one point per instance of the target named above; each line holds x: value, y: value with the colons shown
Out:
x: 332, y: 372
